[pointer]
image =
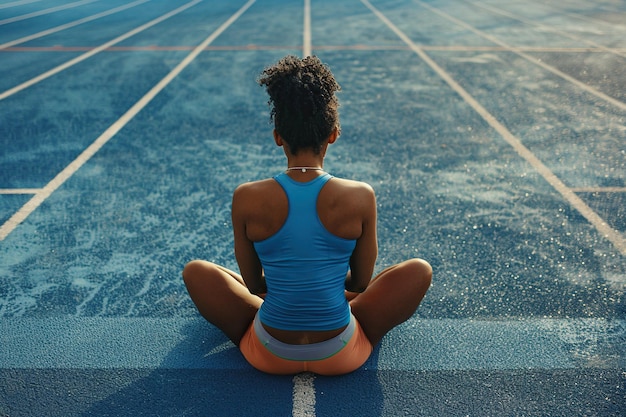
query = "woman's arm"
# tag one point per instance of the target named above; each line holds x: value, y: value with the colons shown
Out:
x: 247, y: 258
x: 366, y: 250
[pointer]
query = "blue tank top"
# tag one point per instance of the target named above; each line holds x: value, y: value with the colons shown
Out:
x: 305, y: 265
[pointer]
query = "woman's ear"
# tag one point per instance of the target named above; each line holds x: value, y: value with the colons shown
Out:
x: 277, y: 138
x: 333, y: 135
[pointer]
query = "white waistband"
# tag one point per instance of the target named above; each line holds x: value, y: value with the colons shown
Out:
x: 308, y: 352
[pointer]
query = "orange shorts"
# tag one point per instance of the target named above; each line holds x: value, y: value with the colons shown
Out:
x: 339, y: 355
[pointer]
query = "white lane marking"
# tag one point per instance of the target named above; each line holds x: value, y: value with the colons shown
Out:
x: 590, y: 19
x: 17, y: 3
x: 94, y: 51
x: 527, y: 57
x: 44, y: 12
x: 91, y: 150
x: 303, y: 395
x: 20, y: 190
x: 70, y: 24
x: 546, y: 28
x: 601, y: 226
x: 307, y: 49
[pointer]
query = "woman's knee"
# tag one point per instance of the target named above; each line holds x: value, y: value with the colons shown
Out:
x: 197, y: 270
x: 419, y: 272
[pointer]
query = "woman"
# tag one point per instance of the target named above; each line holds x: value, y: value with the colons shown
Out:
x: 306, y: 246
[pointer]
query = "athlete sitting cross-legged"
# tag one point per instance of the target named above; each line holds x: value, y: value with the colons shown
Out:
x: 306, y: 246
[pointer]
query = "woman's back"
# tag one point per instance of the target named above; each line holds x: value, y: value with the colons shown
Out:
x: 345, y: 209
x: 305, y: 265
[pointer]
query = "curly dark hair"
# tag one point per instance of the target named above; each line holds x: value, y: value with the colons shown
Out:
x: 303, y: 104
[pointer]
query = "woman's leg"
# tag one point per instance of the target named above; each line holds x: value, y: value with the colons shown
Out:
x: 392, y: 297
x: 221, y: 297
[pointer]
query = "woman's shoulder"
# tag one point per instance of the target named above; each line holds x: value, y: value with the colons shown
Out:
x: 352, y: 186
x: 349, y: 193
x: 255, y: 186
x: 256, y: 192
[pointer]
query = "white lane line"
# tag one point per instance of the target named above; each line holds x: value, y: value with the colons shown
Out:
x: 599, y: 189
x: 91, y: 150
x: 94, y: 51
x: 70, y: 24
x: 17, y: 3
x: 546, y: 28
x: 303, y: 395
x: 580, y: 16
x: 306, y: 35
x: 20, y: 190
x: 44, y: 12
x: 601, y: 226
x: 530, y: 58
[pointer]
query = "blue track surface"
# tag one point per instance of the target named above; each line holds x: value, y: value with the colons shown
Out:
x: 492, y: 131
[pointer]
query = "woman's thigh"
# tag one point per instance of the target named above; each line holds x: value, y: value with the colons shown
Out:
x: 392, y: 297
x: 221, y: 297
